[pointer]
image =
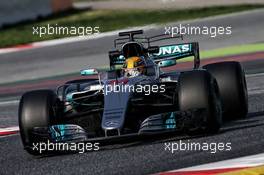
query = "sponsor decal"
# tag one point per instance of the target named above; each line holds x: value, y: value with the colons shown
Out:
x: 174, y: 49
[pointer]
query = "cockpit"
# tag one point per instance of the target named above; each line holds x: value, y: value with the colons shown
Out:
x: 132, y: 49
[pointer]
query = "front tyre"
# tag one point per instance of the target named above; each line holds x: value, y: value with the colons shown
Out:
x: 36, y: 109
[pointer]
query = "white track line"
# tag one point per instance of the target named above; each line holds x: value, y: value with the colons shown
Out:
x: 11, y: 102
x: 6, y: 132
x: 9, y: 50
x: 254, y: 75
x: 9, y: 129
x: 248, y: 161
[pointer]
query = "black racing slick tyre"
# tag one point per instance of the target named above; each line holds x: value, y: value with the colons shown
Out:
x: 232, y: 85
x: 199, y: 90
x: 36, y: 109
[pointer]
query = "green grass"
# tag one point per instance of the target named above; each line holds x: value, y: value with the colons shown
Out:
x: 109, y: 20
x: 228, y: 51
x: 233, y: 50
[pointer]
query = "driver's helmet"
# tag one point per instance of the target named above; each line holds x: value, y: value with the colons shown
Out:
x: 134, y: 66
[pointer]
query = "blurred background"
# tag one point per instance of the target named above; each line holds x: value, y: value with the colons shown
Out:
x: 14, y: 11
x: 17, y: 17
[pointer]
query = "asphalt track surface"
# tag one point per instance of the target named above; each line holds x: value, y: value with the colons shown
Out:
x: 141, y: 157
x: 72, y: 57
x: 147, y: 156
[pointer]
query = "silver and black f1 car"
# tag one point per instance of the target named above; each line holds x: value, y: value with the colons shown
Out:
x: 137, y: 98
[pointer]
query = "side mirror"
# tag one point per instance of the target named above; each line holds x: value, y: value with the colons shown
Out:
x: 153, y: 49
x: 167, y: 63
x: 89, y: 72
x: 150, y: 71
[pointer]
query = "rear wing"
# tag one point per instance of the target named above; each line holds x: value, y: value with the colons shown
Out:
x: 162, y: 54
x: 178, y: 51
x: 166, y: 53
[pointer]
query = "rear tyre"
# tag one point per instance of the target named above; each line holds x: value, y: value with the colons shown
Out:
x: 199, y: 90
x: 36, y: 109
x: 232, y: 85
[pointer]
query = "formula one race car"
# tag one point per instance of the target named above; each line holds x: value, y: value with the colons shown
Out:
x: 134, y: 97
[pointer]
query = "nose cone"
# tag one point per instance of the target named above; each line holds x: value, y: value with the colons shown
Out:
x: 115, y: 108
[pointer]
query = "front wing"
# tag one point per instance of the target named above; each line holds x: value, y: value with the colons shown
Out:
x: 155, y: 124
